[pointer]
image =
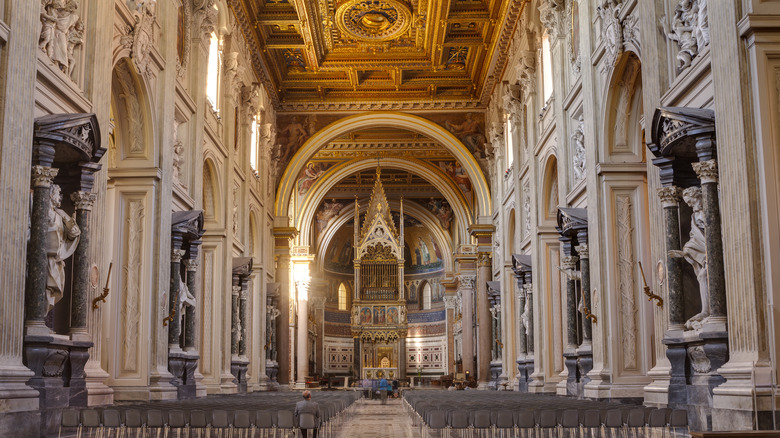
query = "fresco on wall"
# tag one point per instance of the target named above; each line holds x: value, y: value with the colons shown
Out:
x: 379, y: 315
x: 420, y: 255
x: 392, y: 315
x: 455, y: 171
x: 442, y: 210
x: 366, y: 317
x: 310, y: 175
x: 326, y: 212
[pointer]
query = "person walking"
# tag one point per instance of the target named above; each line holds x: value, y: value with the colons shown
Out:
x: 307, y: 414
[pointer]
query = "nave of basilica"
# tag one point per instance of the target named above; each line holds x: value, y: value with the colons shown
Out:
x: 578, y: 198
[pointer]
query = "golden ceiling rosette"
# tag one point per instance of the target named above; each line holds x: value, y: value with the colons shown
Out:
x: 374, y: 20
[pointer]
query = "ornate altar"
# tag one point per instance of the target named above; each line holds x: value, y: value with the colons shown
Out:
x: 378, y: 307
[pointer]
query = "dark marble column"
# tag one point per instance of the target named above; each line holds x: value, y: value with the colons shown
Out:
x: 402, y: 359
x: 174, y: 323
x: 707, y: 171
x: 36, y: 305
x: 191, y: 266
x: 522, y: 344
x: 243, y: 320
x: 235, y: 323
x: 83, y: 201
x: 582, y: 251
x: 529, y: 289
x: 670, y: 199
x: 569, y: 263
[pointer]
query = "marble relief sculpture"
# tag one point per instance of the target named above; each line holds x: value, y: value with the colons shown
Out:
x: 61, y: 31
x: 62, y: 238
x: 694, y: 252
x: 689, y: 29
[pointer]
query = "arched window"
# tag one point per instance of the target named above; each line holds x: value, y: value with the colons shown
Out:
x: 342, y: 297
x: 253, y: 146
x: 547, y: 68
x: 509, y: 140
x: 212, y: 82
x: 426, y: 296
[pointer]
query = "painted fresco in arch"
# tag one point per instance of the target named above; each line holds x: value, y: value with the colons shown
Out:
x: 441, y: 209
x: 469, y: 127
x: 327, y: 212
x: 310, y: 174
x: 292, y: 131
x: 421, y: 252
x: 339, y: 255
x: 458, y: 176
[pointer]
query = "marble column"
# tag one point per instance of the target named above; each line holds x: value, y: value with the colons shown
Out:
x: 174, y: 324
x: 529, y: 289
x: 402, y: 359
x: 670, y: 200
x: 242, y: 318
x: 582, y: 251
x: 283, y: 346
x: 522, y: 341
x: 484, y: 320
x: 83, y: 201
x: 191, y: 266
x: 707, y: 171
x: 36, y: 304
x: 302, y: 354
x: 569, y: 263
x: 466, y: 289
x: 235, y: 322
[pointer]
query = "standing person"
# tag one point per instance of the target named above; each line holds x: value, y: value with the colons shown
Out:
x: 383, y: 388
x: 307, y: 406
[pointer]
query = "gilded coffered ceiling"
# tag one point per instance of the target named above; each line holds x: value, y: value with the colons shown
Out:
x: 372, y: 54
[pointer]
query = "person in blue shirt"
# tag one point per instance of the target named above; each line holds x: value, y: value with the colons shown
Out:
x: 383, y: 388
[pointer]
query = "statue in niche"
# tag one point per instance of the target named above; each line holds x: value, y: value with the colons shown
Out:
x: 695, y: 252
x: 687, y: 30
x: 178, y: 161
x: 578, y: 160
x: 524, y: 319
x: 186, y: 299
x: 62, y: 238
x: 61, y: 31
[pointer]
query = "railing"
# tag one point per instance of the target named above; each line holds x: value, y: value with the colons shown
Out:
x: 379, y: 294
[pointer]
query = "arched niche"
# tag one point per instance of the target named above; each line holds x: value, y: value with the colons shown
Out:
x: 308, y: 209
x: 211, y: 192
x: 132, y: 140
x: 623, y: 141
x: 255, y: 239
x: 511, y: 238
x: 384, y: 119
x: 550, y: 192
x: 425, y: 217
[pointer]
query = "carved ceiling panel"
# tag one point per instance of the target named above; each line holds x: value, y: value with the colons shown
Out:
x: 437, y: 53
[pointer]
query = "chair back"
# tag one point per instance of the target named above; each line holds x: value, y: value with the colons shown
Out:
x: 307, y: 421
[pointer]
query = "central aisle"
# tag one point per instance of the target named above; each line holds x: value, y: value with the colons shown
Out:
x: 372, y: 419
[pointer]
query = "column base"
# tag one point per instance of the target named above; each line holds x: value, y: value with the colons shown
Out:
x: 201, y: 390
x: 525, y: 367
x: 572, y: 379
x: 98, y: 393
x: 656, y: 394
x: 695, y: 360
x: 160, y: 387
x: 239, y: 367
x: 182, y: 365
x: 745, y: 401
x: 19, y: 413
x: 496, y: 369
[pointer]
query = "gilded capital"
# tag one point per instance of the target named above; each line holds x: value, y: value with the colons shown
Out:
x: 467, y: 281
x: 83, y: 200
x: 43, y: 176
x: 707, y: 171
x: 670, y: 196
x: 485, y: 259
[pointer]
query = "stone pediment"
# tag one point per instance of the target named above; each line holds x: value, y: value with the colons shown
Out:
x: 521, y: 263
x: 189, y: 223
x: 75, y: 137
x: 674, y: 130
x: 571, y: 220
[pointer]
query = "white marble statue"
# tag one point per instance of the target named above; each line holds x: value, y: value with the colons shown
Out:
x: 524, y: 317
x: 61, y: 32
x: 689, y: 29
x: 694, y: 252
x: 186, y: 299
x: 62, y: 238
x: 578, y: 159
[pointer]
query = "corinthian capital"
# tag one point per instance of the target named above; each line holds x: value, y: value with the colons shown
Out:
x: 467, y: 281
x: 670, y: 196
x: 707, y: 171
x: 43, y: 176
x: 83, y: 200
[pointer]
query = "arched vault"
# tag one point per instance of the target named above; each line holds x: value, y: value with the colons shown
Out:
x: 376, y: 119
x: 411, y: 209
x: 452, y: 194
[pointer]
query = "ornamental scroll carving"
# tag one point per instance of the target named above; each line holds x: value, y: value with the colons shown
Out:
x: 379, y: 252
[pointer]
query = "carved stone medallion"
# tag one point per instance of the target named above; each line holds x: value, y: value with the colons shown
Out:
x: 374, y: 20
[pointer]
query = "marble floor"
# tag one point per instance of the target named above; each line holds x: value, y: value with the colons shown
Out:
x: 372, y: 419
